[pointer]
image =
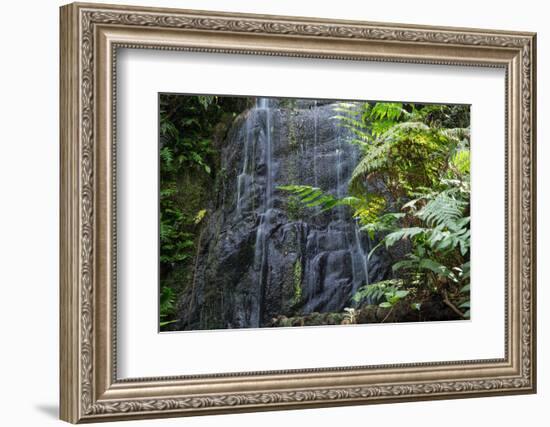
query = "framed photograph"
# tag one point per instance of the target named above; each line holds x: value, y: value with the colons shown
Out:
x: 267, y: 212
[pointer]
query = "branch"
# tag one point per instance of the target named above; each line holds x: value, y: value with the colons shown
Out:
x: 387, y: 315
x: 451, y: 305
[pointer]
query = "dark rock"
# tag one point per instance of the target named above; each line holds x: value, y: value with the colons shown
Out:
x: 431, y: 310
x: 261, y: 256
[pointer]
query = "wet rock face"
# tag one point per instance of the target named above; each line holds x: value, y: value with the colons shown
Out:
x: 264, y: 255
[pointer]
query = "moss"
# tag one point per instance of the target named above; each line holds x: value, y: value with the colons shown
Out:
x: 289, y: 103
x: 315, y: 319
x: 334, y: 318
x: 295, y: 210
x: 298, y: 321
x: 285, y: 321
x: 297, y: 282
x: 211, y: 311
x: 367, y: 314
x: 434, y: 310
x: 292, y: 139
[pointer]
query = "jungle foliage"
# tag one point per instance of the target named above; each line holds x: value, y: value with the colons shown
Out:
x: 410, y: 189
x: 189, y: 127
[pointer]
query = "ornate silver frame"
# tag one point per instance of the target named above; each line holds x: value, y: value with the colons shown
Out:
x: 90, y: 36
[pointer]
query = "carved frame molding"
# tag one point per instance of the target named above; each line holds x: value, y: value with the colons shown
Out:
x: 90, y: 36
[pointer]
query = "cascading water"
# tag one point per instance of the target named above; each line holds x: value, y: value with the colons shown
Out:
x: 361, y: 253
x: 264, y: 106
x: 243, y: 180
x: 261, y: 245
x: 339, y: 184
x: 262, y: 257
x: 315, y: 140
x: 358, y: 255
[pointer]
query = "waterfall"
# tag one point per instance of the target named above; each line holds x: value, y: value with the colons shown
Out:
x: 315, y: 140
x: 261, y: 244
x: 361, y: 253
x: 261, y: 264
x: 340, y: 210
x: 242, y: 178
x: 264, y: 105
x: 256, y: 237
x: 359, y: 259
x: 338, y: 170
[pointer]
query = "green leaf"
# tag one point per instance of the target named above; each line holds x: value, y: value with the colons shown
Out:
x: 200, y: 215
x: 401, y: 294
x: 168, y: 322
x: 416, y: 306
x: 436, y: 267
x: 404, y: 233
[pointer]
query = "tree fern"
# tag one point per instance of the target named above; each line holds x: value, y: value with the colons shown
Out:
x: 446, y: 226
x: 385, y: 153
x: 411, y: 184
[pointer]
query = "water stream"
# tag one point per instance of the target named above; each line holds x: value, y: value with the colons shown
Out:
x: 265, y: 257
x: 261, y: 245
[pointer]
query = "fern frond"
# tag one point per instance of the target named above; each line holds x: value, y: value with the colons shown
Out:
x: 313, y: 197
x: 167, y: 155
x: 377, y: 157
x: 460, y: 161
x: 443, y: 210
x: 390, y: 110
x: 351, y: 121
x: 404, y: 233
x: 167, y: 299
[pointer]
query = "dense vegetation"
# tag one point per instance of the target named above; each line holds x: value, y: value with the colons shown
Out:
x: 411, y: 190
x: 190, y: 129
